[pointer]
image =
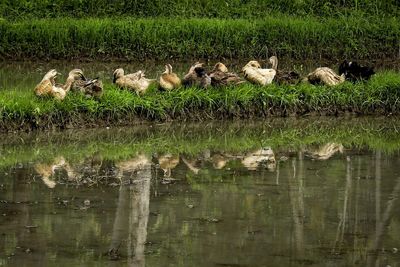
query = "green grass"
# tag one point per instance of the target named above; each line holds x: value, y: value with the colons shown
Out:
x: 23, y: 110
x: 191, y: 8
x: 165, y: 38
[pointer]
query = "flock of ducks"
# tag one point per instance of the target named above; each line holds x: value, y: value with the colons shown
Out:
x: 198, y: 76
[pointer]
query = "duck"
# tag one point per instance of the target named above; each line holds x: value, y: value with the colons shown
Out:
x: 48, y: 87
x: 220, y: 76
x: 197, y: 76
x: 355, y: 72
x: 325, y: 76
x: 169, y: 80
x: 256, y: 75
x: 134, y: 81
x: 88, y: 87
x: 283, y: 76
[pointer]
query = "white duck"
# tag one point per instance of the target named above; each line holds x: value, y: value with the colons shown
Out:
x: 256, y: 75
x: 134, y: 81
x: 325, y: 76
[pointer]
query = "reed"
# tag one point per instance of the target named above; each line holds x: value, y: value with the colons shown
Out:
x: 23, y: 110
x: 164, y: 38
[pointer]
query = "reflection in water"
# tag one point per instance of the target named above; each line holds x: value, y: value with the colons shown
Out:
x: 168, y: 162
x: 130, y: 225
x: 326, y: 151
x: 47, y: 171
x: 264, y: 155
x: 226, y: 208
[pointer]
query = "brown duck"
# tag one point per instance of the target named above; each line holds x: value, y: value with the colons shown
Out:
x: 197, y: 76
x: 169, y: 80
x: 220, y: 76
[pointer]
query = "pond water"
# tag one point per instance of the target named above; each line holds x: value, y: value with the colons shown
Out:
x: 313, y: 192
x: 25, y: 75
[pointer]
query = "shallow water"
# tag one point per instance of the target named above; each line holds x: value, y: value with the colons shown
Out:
x: 25, y: 75
x: 225, y: 194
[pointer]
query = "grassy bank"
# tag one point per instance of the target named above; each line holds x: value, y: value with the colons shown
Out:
x: 192, y: 8
x: 23, y: 110
x: 162, y: 38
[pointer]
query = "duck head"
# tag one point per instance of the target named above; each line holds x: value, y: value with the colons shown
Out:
x: 253, y: 64
x: 200, y: 71
x: 118, y: 73
x: 220, y: 67
x: 51, y: 74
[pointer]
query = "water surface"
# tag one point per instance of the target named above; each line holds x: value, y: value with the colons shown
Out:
x: 267, y: 193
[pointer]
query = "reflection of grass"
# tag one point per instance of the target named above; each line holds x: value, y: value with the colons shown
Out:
x: 23, y: 110
x: 125, y: 143
x: 165, y: 38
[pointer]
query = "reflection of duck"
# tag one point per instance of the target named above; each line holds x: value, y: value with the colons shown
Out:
x: 48, y: 170
x: 134, y: 81
x: 220, y: 76
x: 253, y: 159
x: 48, y: 87
x: 325, y: 76
x: 219, y: 161
x: 256, y: 75
x: 138, y: 162
x: 197, y: 76
x: 326, y: 151
x: 169, y: 80
x: 191, y: 164
x: 168, y: 162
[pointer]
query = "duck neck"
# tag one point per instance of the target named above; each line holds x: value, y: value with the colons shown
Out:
x: 275, y: 63
x: 68, y: 83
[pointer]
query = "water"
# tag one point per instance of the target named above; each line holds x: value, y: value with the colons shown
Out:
x: 25, y: 75
x: 265, y: 193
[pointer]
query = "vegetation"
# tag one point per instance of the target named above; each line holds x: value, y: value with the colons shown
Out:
x: 163, y: 38
x: 23, y: 110
x: 190, y: 8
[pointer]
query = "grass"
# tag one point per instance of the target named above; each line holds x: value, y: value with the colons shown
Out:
x: 191, y: 8
x: 236, y: 137
x: 165, y: 38
x: 23, y: 110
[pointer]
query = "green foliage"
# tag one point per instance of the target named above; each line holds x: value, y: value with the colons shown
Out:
x: 21, y: 109
x: 162, y: 38
x: 20, y: 9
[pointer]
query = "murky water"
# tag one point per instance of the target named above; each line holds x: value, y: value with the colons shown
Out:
x: 228, y: 194
x: 25, y: 75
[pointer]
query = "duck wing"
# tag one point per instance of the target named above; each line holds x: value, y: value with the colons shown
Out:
x: 43, y: 88
x: 219, y: 78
